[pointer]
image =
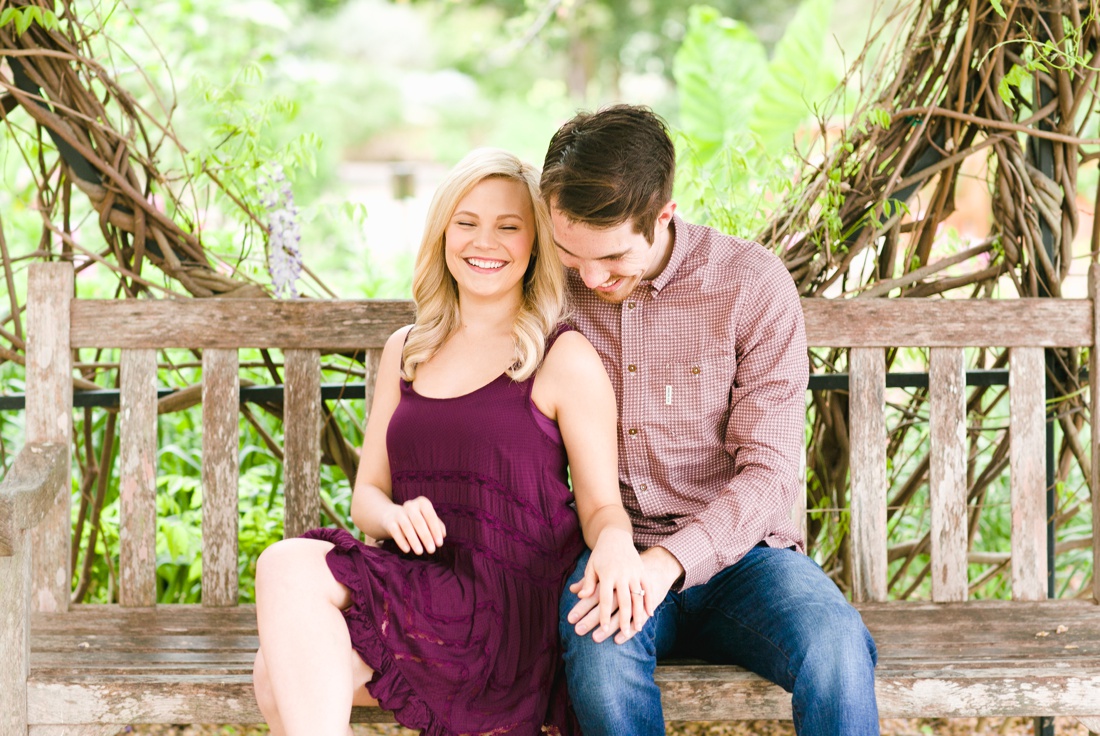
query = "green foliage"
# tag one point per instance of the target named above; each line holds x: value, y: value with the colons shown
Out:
x: 179, y: 493
x: 23, y: 18
x: 740, y: 112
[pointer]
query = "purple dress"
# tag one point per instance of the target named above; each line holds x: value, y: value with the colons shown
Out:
x: 465, y: 641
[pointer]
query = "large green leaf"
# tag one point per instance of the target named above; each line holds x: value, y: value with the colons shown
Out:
x: 797, y: 78
x: 718, y: 71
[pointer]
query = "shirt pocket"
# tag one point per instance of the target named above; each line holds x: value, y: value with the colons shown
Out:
x: 695, y: 396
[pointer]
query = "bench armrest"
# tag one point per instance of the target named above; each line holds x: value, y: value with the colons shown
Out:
x: 29, y: 489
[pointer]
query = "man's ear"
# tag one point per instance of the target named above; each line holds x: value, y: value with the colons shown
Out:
x: 665, y: 215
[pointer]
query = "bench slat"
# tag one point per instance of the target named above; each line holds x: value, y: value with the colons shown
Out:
x: 867, y: 403
x: 985, y: 651
x: 1027, y: 460
x: 49, y: 418
x: 947, y: 473
x: 237, y: 323
x: 349, y: 325
x: 302, y: 441
x: 138, y: 478
x: 948, y: 322
x: 220, y: 467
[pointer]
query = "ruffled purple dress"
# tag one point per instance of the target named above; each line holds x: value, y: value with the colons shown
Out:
x: 465, y: 641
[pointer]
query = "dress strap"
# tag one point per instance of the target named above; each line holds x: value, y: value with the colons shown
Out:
x: 560, y: 329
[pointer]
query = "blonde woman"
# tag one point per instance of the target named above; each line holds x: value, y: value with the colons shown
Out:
x: 452, y: 622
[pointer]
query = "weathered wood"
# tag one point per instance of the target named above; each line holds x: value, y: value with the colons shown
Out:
x: 1092, y: 723
x: 345, y: 324
x: 29, y: 491
x: 138, y: 478
x: 15, y: 596
x: 947, y: 473
x: 926, y: 653
x: 867, y: 404
x: 71, y: 730
x: 948, y: 323
x: 302, y: 441
x: 1027, y: 462
x: 220, y: 464
x: 237, y: 323
x: 49, y: 418
x: 1094, y: 420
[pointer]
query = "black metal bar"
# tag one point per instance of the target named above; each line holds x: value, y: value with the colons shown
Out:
x: 108, y: 397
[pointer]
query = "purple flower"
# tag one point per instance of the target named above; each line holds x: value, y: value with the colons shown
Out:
x: 284, y: 236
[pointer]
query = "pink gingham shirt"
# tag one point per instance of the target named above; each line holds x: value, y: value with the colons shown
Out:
x: 709, y: 366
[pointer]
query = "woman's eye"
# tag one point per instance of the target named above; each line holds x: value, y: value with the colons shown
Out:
x: 510, y: 228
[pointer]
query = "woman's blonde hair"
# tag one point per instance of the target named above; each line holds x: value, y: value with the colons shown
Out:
x: 436, y: 294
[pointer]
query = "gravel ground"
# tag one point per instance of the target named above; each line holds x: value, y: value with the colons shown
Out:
x: 892, y: 727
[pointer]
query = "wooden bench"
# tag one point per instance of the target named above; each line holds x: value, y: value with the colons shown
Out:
x: 89, y: 669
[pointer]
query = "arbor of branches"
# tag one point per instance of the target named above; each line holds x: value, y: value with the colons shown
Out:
x: 1014, y: 82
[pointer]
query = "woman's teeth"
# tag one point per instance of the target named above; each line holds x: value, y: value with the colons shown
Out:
x: 484, y: 264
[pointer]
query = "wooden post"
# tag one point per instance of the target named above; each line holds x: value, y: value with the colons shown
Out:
x: 15, y: 639
x: 1094, y: 423
x: 1027, y: 460
x: 947, y: 473
x: 28, y: 493
x: 49, y: 418
x: 866, y: 407
x: 221, y: 399
x: 138, y: 479
x: 302, y: 442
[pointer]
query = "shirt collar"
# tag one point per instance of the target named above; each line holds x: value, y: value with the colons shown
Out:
x: 682, y: 245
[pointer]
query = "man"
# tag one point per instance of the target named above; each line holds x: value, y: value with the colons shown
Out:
x: 702, y: 335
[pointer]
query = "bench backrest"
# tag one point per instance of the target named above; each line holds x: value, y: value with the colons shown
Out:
x: 303, y: 328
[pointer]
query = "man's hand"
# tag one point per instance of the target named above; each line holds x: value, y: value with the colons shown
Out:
x: 660, y: 571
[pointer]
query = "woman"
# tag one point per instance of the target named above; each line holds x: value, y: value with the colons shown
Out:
x: 452, y: 622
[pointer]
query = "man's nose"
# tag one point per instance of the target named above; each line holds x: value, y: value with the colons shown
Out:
x: 593, y: 275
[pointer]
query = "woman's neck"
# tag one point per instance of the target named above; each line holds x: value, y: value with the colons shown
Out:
x: 493, y: 316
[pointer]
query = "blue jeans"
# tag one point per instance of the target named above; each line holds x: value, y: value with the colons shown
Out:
x: 774, y: 613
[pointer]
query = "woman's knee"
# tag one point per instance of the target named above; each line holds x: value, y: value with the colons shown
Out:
x: 261, y: 684
x: 299, y: 568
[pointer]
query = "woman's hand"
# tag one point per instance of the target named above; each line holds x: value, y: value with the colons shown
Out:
x: 414, y: 526
x: 614, y: 573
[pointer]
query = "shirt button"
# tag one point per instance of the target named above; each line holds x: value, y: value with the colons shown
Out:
x: 695, y: 370
x: 630, y: 305
x: 632, y: 367
x: 643, y: 487
x: 632, y: 431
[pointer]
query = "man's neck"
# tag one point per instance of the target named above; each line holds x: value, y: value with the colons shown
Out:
x: 663, y: 244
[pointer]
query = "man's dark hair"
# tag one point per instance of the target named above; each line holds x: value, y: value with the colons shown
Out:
x: 605, y: 168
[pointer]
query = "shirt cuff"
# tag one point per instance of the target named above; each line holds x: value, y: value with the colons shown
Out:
x: 693, y: 549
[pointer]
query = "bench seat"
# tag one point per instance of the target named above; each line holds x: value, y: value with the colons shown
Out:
x: 189, y: 664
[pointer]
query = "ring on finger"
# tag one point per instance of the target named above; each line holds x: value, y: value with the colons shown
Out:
x: 637, y: 592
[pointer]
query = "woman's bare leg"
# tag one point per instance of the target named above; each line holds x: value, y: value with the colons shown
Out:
x: 307, y: 660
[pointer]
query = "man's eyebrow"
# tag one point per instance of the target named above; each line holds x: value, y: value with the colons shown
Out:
x: 608, y: 257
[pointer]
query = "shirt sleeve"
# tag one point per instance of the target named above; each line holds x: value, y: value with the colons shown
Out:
x: 764, y: 433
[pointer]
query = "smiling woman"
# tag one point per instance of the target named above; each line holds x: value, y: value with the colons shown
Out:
x: 483, y: 410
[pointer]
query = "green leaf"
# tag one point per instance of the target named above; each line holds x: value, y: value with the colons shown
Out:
x: 997, y: 7
x: 718, y: 71
x: 9, y: 15
x: 23, y: 22
x: 1016, y: 76
x: 796, y: 79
